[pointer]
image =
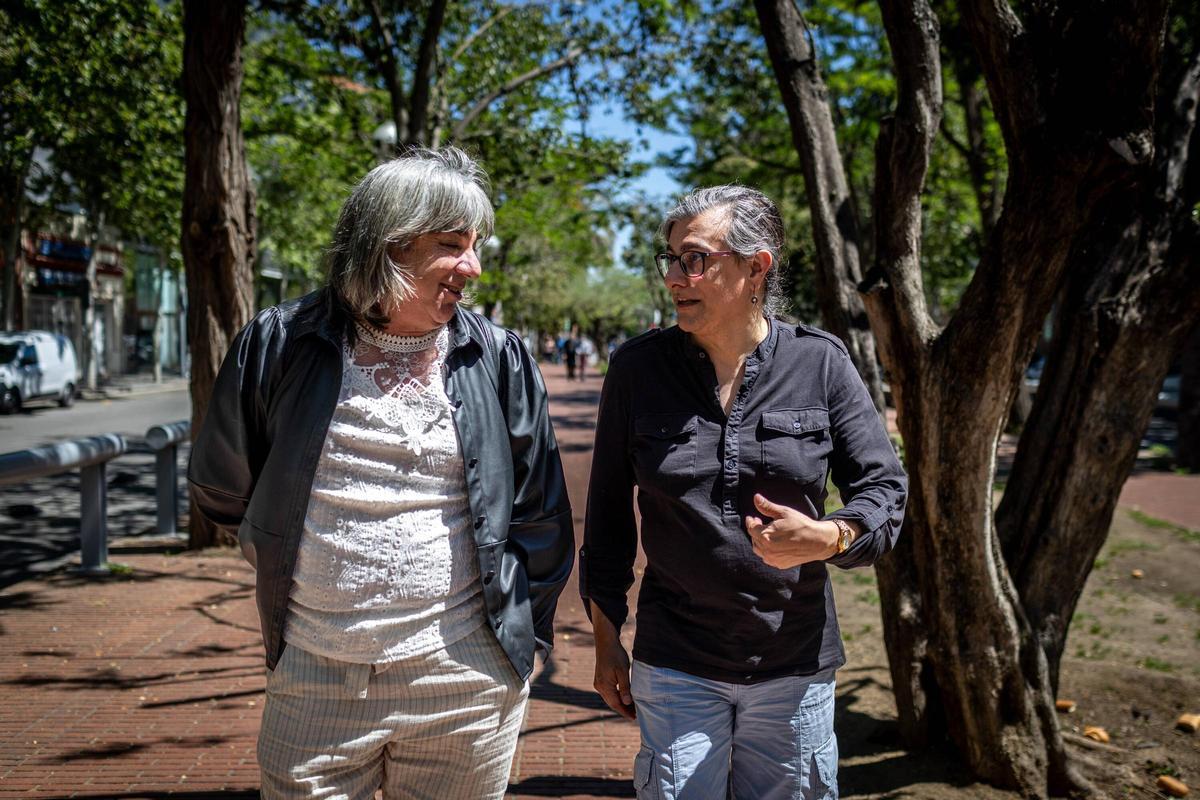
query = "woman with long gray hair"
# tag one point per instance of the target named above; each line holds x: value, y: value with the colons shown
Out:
x: 386, y: 460
x: 728, y: 424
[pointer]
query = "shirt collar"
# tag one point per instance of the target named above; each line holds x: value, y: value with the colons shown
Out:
x: 761, y: 353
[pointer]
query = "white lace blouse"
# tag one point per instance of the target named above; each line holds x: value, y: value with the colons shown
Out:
x: 387, y: 567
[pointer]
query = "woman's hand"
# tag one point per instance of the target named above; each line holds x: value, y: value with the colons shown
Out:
x: 612, y: 666
x: 791, y: 538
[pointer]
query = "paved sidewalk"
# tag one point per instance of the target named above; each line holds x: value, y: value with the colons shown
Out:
x: 149, y: 684
x: 139, y: 383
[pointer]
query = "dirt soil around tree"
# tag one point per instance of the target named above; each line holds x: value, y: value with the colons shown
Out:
x: 1132, y: 667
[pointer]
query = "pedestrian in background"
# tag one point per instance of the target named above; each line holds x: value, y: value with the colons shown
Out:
x: 728, y: 424
x: 584, y: 352
x: 387, y: 462
x: 571, y: 351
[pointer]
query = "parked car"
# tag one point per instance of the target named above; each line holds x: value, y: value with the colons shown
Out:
x: 36, y: 364
x: 1168, y: 395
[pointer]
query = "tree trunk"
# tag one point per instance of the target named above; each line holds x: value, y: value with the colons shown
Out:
x: 1074, y: 117
x: 10, y: 234
x: 419, y: 112
x: 1133, y: 296
x: 835, y: 230
x: 12, y: 209
x: 218, y: 201
x: 1096, y: 396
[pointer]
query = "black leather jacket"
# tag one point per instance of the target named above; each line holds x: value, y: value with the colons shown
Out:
x: 255, y: 455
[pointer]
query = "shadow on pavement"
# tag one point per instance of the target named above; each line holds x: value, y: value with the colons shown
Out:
x: 39, y: 519
x: 569, y: 785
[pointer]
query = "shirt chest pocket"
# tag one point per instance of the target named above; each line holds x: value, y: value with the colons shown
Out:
x: 796, y: 444
x: 664, y: 449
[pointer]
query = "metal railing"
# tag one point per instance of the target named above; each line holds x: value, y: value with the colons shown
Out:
x: 164, y: 441
x: 90, y: 456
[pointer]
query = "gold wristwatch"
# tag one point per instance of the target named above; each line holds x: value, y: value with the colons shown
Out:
x: 845, y: 535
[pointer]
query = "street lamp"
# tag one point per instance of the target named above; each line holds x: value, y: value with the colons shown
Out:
x: 385, y: 138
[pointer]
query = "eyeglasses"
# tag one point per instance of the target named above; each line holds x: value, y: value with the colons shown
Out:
x: 692, y: 262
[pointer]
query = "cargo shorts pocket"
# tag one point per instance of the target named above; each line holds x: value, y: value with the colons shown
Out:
x: 643, y: 775
x: 823, y: 776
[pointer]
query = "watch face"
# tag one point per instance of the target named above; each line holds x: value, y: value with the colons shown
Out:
x: 843, y: 537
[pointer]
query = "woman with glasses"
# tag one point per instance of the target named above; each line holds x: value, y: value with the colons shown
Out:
x: 386, y: 460
x: 728, y: 425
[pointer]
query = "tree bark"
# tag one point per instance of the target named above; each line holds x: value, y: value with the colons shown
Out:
x: 1077, y: 131
x: 218, y: 226
x: 953, y: 391
x: 1132, y: 299
x: 419, y: 112
x: 12, y: 209
x: 835, y: 229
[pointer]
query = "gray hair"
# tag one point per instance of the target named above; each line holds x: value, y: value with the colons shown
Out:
x: 422, y: 191
x: 753, y: 223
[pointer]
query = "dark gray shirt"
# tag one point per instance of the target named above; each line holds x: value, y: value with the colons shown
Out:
x: 707, y: 604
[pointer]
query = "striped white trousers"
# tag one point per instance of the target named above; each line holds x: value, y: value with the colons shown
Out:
x: 442, y: 726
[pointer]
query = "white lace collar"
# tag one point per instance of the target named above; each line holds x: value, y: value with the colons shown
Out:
x: 391, y: 343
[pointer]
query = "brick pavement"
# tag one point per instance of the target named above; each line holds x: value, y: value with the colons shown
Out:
x: 149, y: 684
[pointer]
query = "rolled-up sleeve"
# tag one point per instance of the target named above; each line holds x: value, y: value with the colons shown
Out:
x: 865, y: 467
x: 610, y: 529
x: 540, y: 527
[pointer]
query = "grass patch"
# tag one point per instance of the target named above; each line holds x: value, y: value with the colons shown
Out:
x: 1094, y: 651
x: 1150, y: 662
x: 834, y: 501
x: 1123, y: 546
x: 870, y: 597
x: 1183, y: 534
x: 1189, y: 602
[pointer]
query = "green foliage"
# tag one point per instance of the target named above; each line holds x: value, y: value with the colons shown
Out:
x: 732, y: 107
x: 93, y: 86
x: 514, y: 84
x: 307, y: 142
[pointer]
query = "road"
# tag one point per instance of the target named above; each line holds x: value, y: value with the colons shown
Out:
x: 39, y: 519
x: 44, y: 422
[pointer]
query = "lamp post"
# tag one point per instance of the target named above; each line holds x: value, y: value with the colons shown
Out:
x: 385, y: 138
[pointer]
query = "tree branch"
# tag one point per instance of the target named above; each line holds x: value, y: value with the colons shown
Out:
x: 418, y: 113
x: 949, y: 136
x: 389, y: 68
x: 475, y: 34
x: 1179, y: 131
x: 470, y: 40
x: 902, y: 161
x: 538, y: 72
x: 1008, y: 69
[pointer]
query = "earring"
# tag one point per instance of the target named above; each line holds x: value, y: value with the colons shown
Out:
x: 753, y: 299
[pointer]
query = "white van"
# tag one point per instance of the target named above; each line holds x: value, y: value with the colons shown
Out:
x: 35, y: 364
